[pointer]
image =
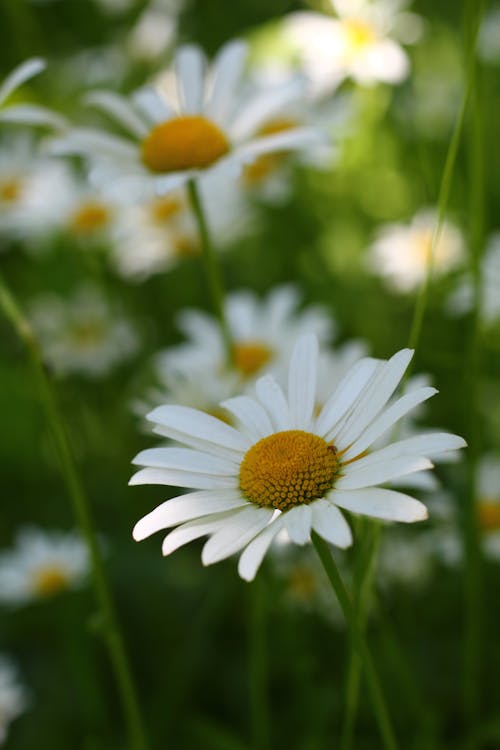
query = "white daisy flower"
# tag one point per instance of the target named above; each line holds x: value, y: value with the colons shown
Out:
x: 358, y: 43
x: 155, y: 30
x: 263, y: 332
x: 488, y: 505
x: 32, y: 191
x: 12, y: 696
x: 462, y: 299
x: 401, y: 252
x: 27, y: 114
x: 170, y: 143
x: 285, y: 467
x: 41, y: 565
x: 82, y: 334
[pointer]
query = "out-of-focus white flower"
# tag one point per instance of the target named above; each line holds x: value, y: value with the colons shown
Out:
x: 488, y: 505
x: 12, y: 696
x: 173, y: 142
x: 462, y: 299
x: 358, y: 43
x: 405, y: 559
x: 82, y: 334
x: 401, y: 253
x: 154, y: 235
x: 284, y: 467
x: 41, y: 564
x: 488, y: 43
x: 26, y: 114
x: 155, y: 30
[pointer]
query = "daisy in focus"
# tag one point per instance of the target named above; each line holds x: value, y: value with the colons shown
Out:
x: 283, y: 467
x: 25, y: 114
x: 82, y: 334
x: 12, y: 696
x: 41, y: 565
x: 402, y: 253
x: 358, y: 43
x: 178, y: 136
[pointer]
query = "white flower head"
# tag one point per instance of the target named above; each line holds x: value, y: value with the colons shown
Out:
x: 12, y: 696
x: 285, y: 467
x: 401, y: 253
x: 173, y: 141
x: 82, y: 334
x: 41, y: 565
x: 358, y: 43
x: 488, y: 505
x: 26, y: 114
x: 462, y: 299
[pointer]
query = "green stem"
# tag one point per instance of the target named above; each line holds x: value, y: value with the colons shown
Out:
x: 259, y: 699
x: 82, y: 512
x: 211, y: 267
x: 359, y: 643
x: 444, y: 189
x: 363, y: 583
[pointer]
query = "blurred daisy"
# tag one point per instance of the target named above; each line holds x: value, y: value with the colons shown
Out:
x: 488, y: 505
x: 358, y: 43
x: 82, y: 334
x: 41, y: 565
x: 172, y: 142
x: 28, y: 114
x: 462, y: 299
x: 405, y: 560
x: 401, y: 253
x: 12, y: 696
x: 263, y: 332
x: 284, y: 467
x: 154, y: 235
x: 32, y: 191
x: 155, y: 30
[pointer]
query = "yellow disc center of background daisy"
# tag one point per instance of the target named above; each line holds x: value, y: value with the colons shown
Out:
x: 188, y: 142
x: 10, y: 190
x: 163, y: 209
x: 250, y: 356
x: 288, y: 468
x: 50, y: 580
x: 489, y: 515
x: 89, y: 218
x: 359, y: 34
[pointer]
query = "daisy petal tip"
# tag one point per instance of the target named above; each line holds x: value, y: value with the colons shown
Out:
x: 138, y: 532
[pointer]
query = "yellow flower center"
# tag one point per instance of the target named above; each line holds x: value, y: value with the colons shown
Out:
x: 10, y: 190
x: 187, y: 142
x: 287, y: 469
x: 251, y: 356
x: 423, y: 246
x: 185, y: 246
x: 302, y: 583
x: 50, y: 580
x: 90, y: 217
x: 489, y: 515
x: 88, y: 333
x: 162, y: 209
x: 359, y: 34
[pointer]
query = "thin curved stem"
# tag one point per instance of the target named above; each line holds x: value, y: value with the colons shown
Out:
x: 108, y: 619
x: 211, y: 267
x: 258, y: 666
x: 358, y: 639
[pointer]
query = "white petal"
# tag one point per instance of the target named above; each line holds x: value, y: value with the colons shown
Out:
x: 120, y: 109
x: 227, y: 71
x: 302, y: 382
x: 344, y: 396
x: 31, y: 114
x: 178, y: 478
x: 273, y: 400
x: 383, y: 422
x: 329, y: 523
x: 251, y: 414
x: 253, y: 555
x: 20, y: 75
x: 192, y: 530
x: 381, y: 503
x: 185, y: 459
x: 199, y: 430
x: 264, y: 107
x: 190, y: 68
x: 154, y: 106
x: 289, y: 140
x: 89, y: 142
x: 359, y: 474
x: 297, y: 522
x: 428, y: 445
x: 374, y: 397
x: 235, y: 534
x: 186, y: 508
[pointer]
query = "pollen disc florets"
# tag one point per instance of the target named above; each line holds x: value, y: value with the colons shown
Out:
x: 186, y: 142
x: 287, y: 469
x: 251, y: 356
